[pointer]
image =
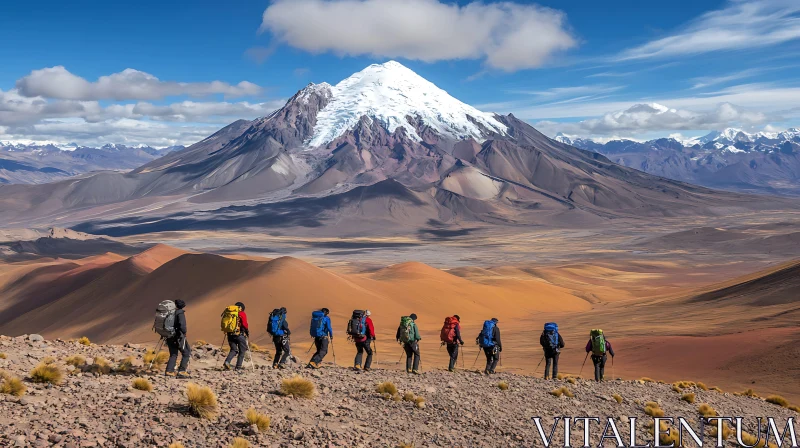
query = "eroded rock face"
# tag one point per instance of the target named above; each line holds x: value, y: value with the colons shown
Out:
x: 461, y: 409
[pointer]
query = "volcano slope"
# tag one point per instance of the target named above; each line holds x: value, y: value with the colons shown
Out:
x: 381, y: 152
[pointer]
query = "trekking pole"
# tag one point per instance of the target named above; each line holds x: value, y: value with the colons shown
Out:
x: 461, y: 347
x: 584, y: 363
x: 537, y: 366
x: 612, y: 369
x: 476, y: 358
x: 161, y: 344
x: 333, y: 349
x: 309, y: 348
x: 376, y: 351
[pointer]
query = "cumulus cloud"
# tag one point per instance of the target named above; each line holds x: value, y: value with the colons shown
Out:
x: 506, y: 36
x: 653, y: 117
x: 129, y: 84
x: 739, y: 25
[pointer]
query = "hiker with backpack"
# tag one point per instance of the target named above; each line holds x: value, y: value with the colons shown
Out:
x: 279, y: 329
x: 408, y: 335
x: 598, y: 345
x: 552, y: 343
x: 320, y: 330
x: 489, y: 341
x: 451, y: 337
x: 234, y: 324
x: 361, y: 329
x: 170, y: 323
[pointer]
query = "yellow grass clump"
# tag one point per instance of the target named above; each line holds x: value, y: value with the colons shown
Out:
x: 100, y: 366
x: 419, y: 402
x: 75, y: 361
x: 47, y: 373
x: 571, y: 380
x: 387, y: 387
x: 617, y: 397
x: 159, y: 359
x: 689, y: 398
x: 777, y: 399
x: 677, y: 389
x: 254, y: 418
x: 727, y: 431
x: 716, y: 389
x: 751, y: 440
x: 747, y: 393
x: 706, y: 410
x: 239, y: 442
x: 665, y: 439
x: 397, y: 397
x: 299, y: 387
x: 199, y: 343
x: 794, y: 408
x: 202, y: 401
x: 125, y: 366
x: 701, y: 386
x: 142, y: 384
x: 84, y: 341
x: 562, y: 391
x: 408, y: 396
x: 11, y: 385
x: 503, y: 385
x: 48, y: 360
x: 3, y: 356
x: 653, y: 409
x: 647, y: 380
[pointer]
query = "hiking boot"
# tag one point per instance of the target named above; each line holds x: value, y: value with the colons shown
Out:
x: 281, y: 366
x: 408, y: 370
x: 367, y: 369
x: 226, y: 366
x: 183, y: 375
x: 357, y: 367
x: 274, y: 366
x: 415, y: 372
x: 239, y: 371
x: 451, y: 370
x: 170, y: 374
x: 486, y: 372
x: 311, y: 365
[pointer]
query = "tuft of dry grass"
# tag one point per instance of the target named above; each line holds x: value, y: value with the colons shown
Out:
x: 706, y: 410
x: 617, y: 397
x: 11, y: 385
x: 756, y: 442
x: 419, y: 402
x: 3, y: 356
x: 386, y: 387
x: 84, y: 341
x: 48, y: 360
x: 689, y: 398
x: 716, y: 389
x: 408, y: 396
x: 176, y: 445
x: 100, y: 366
x: 727, y: 431
x: 794, y: 408
x: 503, y: 385
x: 261, y: 421
x: 397, y: 397
x: 75, y: 361
x: 671, y: 439
x: 142, y: 384
x: 747, y: 393
x: 560, y: 376
x: 239, y: 442
x: 653, y: 411
x: 125, y: 366
x: 645, y: 379
x: 199, y: 343
x: 47, y: 373
x: 159, y: 359
x: 562, y: 391
x: 202, y: 401
x: 676, y: 388
x: 299, y: 387
x: 777, y: 399
x: 571, y: 380
x: 701, y: 386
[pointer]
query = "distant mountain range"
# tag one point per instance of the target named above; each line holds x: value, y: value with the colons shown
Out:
x: 41, y: 163
x: 382, y: 151
x: 731, y: 159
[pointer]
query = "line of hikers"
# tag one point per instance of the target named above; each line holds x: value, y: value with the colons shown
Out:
x: 170, y: 324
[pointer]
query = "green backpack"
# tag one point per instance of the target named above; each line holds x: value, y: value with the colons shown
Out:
x: 406, y: 330
x: 598, y: 342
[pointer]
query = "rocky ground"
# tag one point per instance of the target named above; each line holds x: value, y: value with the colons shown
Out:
x: 464, y: 409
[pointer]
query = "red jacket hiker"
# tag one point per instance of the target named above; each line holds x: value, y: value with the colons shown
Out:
x: 370, y: 331
x: 363, y: 344
x: 243, y: 323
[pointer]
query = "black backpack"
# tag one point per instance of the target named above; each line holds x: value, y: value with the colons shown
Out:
x: 357, y: 325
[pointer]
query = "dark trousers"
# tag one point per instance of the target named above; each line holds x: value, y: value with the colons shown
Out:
x: 238, y: 345
x: 599, y: 367
x: 553, y: 360
x: 178, y: 345
x: 322, y: 349
x: 452, y: 350
x: 412, y: 354
x: 282, y: 350
x: 492, y: 356
x: 364, y: 346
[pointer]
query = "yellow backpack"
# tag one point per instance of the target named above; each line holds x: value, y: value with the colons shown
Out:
x: 230, y: 320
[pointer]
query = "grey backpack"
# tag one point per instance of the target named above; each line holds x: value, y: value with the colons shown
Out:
x: 164, y: 324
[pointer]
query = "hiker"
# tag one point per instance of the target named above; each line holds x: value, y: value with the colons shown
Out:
x: 552, y: 343
x: 177, y: 343
x: 238, y: 338
x: 489, y: 340
x: 362, y: 335
x: 320, y: 330
x: 408, y: 335
x: 279, y: 329
x: 451, y: 336
x: 598, y: 345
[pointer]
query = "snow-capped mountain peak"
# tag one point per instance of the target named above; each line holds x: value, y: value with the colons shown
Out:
x: 389, y: 93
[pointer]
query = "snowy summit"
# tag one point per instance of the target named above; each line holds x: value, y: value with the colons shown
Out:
x: 389, y: 93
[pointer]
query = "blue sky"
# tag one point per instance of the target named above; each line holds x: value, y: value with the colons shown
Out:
x: 578, y: 67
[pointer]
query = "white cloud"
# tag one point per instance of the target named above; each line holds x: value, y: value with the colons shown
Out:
x: 506, y: 36
x: 739, y: 25
x: 129, y: 84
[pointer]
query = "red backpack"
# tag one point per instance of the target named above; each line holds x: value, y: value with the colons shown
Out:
x: 448, y: 335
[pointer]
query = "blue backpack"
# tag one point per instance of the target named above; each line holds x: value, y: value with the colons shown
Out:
x: 275, y: 326
x: 551, y: 334
x: 317, y: 324
x: 485, y: 339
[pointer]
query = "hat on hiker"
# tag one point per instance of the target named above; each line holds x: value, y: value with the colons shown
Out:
x: 326, y: 311
x: 413, y: 316
x: 180, y: 304
x: 240, y: 305
x: 368, y: 313
x: 458, y: 318
x: 494, y: 319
